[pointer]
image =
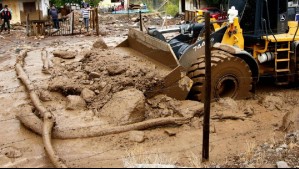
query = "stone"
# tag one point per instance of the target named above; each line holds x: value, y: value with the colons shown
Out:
x: 45, y: 96
x: 87, y: 95
x: 75, y: 102
x: 100, y: 43
x: 137, y: 136
x: 279, y: 150
x: 116, y: 70
x: 229, y: 104
x: 290, y: 121
x: 189, y: 108
x: 170, y: 133
x: 85, y: 82
x: 64, y: 54
x: 94, y: 75
x: 125, y: 107
x: 282, y: 164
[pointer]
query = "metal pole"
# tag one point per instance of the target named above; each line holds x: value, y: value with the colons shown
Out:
x: 208, y: 81
x: 140, y: 15
x: 73, y: 22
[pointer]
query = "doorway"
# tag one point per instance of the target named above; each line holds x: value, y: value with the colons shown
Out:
x: 183, y: 4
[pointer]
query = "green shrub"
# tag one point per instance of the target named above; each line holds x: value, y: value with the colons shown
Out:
x: 172, y: 9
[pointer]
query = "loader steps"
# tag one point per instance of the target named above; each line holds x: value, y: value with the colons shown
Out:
x: 282, y: 62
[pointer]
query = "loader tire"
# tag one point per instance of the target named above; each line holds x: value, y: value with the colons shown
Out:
x: 231, y: 77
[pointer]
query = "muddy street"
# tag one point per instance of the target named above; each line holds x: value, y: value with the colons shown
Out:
x: 98, y: 96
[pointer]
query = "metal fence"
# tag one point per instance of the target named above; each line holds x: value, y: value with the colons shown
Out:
x: 67, y: 25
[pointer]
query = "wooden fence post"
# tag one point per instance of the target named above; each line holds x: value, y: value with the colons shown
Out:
x: 97, y: 22
x: 28, y: 25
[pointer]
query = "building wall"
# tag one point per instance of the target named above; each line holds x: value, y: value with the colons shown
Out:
x: 19, y: 15
x: 109, y: 3
x: 14, y: 6
x: 41, y: 10
x: 189, y: 5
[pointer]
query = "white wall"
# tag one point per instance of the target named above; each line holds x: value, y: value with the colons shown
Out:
x: 107, y: 3
x: 45, y: 4
x: 189, y: 5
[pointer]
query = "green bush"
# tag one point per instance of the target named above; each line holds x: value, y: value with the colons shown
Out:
x: 172, y: 9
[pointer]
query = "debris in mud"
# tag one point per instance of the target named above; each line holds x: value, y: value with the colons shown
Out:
x: 249, y: 111
x: 116, y: 70
x: 277, y: 153
x: 164, y: 106
x: 273, y: 102
x: 12, y: 152
x: 290, y: 122
x: 105, y: 73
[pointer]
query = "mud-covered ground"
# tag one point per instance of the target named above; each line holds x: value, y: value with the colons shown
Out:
x: 247, y: 133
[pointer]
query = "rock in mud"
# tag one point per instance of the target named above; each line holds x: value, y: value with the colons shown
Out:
x: 137, y: 136
x: 116, y: 70
x: 125, y: 107
x: 87, y: 95
x: 100, y: 43
x: 64, y: 54
x: 103, y: 31
x: 87, y: 54
x: 170, y: 133
x: 45, y: 96
x: 75, y: 103
x: 282, y: 164
x: 94, y: 75
x: 65, y: 86
x: 189, y: 108
x: 229, y: 104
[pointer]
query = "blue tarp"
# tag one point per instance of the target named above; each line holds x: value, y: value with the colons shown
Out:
x: 131, y: 11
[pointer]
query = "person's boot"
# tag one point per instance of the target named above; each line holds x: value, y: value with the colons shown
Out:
x: 8, y: 31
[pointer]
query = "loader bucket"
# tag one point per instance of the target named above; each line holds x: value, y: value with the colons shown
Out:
x: 153, y: 48
x: 175, y: 84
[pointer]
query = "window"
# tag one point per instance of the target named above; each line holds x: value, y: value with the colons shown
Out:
x: 29, y: 7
